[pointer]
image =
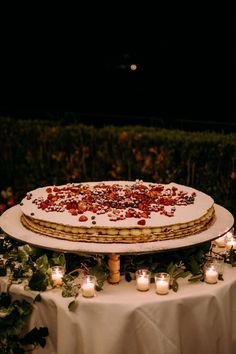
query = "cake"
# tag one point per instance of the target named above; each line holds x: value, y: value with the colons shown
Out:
x: 117, y: 211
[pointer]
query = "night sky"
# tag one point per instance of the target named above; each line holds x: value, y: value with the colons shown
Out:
x: 180, y: 71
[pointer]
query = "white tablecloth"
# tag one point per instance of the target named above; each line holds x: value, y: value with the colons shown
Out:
x: 199, y: 319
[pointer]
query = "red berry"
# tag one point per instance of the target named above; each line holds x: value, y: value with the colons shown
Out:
x: 83, y: 218
x: 142, y: 222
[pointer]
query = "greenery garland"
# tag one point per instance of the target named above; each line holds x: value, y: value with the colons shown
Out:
x: 13, y: 317
x: 32, y: 266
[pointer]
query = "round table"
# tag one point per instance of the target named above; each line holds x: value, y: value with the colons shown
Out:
x: 200, y: 318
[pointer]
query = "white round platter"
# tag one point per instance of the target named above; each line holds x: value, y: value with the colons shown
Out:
x: 11, y: 225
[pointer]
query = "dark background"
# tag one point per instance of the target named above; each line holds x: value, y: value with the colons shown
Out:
x: 184, y: 75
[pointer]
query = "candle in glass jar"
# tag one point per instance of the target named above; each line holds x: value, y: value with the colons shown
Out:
x: 143, y: 279
x: 162, y: 281
x: 211, y: 274
x: 230, y: 234
x: 231, y: 243
x: 88, y: 286
x: 57, y: 275
x: 221, y: 241
x: 219, y: 263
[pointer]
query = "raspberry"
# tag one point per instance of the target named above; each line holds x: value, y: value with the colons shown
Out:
x: 141, y: 222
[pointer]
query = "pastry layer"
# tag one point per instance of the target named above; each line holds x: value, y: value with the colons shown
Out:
x: 117, y: 212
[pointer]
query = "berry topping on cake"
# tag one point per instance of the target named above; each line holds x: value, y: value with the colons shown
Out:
x: 117, y: 211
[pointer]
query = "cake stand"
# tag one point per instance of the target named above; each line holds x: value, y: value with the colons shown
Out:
x: 11, y: 224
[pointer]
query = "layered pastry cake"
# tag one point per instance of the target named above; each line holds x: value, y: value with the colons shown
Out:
x: 117, y: 211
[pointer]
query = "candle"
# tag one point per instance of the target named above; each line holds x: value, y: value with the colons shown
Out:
x: 57, y: 275
x: 220, y: 242
x: 143, y: 280
x: 211, y: 274
x: 230, y: 234
x: 219, y: 263
x: 231, y: 243
x: 88, y: 286
x: 162, y: 281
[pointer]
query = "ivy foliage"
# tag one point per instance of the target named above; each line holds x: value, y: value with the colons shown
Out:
x: 13, y: 317
x: 178, y: 263
x: 34, y: 264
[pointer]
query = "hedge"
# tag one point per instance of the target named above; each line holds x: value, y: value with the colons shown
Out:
x: 36, y: 153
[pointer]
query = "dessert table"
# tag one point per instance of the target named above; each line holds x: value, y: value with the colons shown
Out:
x: 200, y: 318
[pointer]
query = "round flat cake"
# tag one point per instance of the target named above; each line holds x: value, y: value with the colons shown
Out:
x: 117, y: 211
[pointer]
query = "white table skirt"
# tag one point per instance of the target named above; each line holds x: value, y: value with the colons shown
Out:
x: 199, y: 319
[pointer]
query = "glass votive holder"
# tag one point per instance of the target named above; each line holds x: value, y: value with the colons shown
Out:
x: 88, y: 286
x: 211, y: 273
x: 162, y: 282
x: 57, y: 275
x: 220, y: 241
x: 229, y: 235
x: 230, y: 242
x: 142, y: 279
x: 219, y: 262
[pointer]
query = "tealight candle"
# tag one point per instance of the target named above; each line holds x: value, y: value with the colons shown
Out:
x: 143, y: 279
x: 230, y: 234
x: 88, y: 286
x: 221, y: 241
x: 219, y: 262
x: 211, y: 274
x: 162, y: 281
x: 231, y: 243
x: 57, y: 275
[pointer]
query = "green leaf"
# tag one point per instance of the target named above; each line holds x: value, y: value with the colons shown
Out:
x: 182, y: 274
x: 128, y: 276
x: 69, y: 290
x: 42, y: 263
x: 23, y: 254
x: 195, y: 266
x: 174, y: 286
x: 196, y: 277
x: 5, y: 299
x: 171, y: 268
x: 58, y: 259
x: 38, y: 298
x: 35, y: 337
x: 38, y: 281
x: 73, y: 305
x: 100, y: 273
